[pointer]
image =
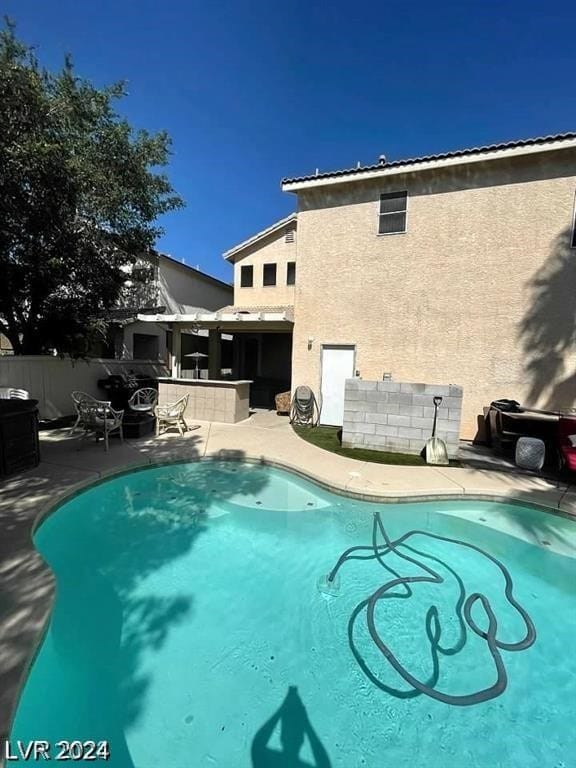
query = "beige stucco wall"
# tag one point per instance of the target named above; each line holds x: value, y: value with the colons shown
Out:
x: 125, y: 342
x: 480, y: 291
x: 271, y: 250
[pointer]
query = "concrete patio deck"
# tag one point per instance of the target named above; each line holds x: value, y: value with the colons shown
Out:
x: 27, y: 585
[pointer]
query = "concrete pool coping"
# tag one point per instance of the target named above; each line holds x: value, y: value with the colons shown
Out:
x: 27, y: 583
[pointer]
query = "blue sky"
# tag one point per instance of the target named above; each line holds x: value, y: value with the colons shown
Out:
x: 254, y: 91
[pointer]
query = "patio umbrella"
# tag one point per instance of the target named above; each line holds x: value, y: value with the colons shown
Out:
x: 196, y: 356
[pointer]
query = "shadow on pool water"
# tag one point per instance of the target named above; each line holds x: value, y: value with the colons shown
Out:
x: 102, y: 545
x: 295, y: 727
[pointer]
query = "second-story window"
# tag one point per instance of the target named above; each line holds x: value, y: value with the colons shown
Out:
x: 246, y: 277
x: 573, y: 242
x: 392, y: 217
x: 291, y: 273
x: 269, y: 274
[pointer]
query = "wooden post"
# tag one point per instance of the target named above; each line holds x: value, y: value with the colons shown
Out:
x: 214, y: 354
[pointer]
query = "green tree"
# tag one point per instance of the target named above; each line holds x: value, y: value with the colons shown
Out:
x: 80, y: 192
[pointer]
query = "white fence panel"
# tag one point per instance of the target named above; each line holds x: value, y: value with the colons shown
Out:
x: 50, y: 380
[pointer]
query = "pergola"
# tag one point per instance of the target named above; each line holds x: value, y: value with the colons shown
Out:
x: 243, y: 321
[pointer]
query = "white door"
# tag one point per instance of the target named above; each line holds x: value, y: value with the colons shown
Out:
x: 337, y: 366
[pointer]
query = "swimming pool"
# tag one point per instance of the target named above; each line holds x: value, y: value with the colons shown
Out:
x: 210, y: 614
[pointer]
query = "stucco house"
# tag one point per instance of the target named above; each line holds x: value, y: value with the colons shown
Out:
x: 457, y: 268
x: 160, y: 284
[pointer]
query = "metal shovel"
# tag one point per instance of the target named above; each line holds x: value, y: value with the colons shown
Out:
x: 436, y: 450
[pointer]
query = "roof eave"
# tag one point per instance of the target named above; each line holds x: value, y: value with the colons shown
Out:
x: 197, y: 272
x: 296, y: 185
x: 230, y: 254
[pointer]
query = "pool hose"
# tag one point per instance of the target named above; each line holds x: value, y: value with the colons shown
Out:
x: 463, y: 611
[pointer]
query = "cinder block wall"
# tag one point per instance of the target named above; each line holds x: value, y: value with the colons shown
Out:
x: 398, y: 416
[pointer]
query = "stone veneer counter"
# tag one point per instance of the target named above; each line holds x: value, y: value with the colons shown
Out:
x: 209, y: 399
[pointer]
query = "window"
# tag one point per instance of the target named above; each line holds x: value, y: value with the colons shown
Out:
x: 573, y: 242
x: 142, y: 274
x: 290, y: 235
x: 246, y: 277
x: 145, y: 346
x: 291, y: 273
x: 392, y: 218
x: 269, y: 274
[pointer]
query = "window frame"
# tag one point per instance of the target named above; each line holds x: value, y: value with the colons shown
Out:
x: 288, y: 263
x: 275, y: 283
x: 573, y: 233
x: 397, y: 193
x: 247, y: 267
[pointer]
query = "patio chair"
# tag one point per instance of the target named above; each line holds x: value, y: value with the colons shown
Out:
x: 99, y: 418
x: 77, y: 398
x: 143, y: 400
x: 11, y: 393
x: 500, y: 438
x: 171, y: 415
x: 305, y: 410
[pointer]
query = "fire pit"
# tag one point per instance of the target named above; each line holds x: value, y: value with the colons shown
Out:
x: 119, y: 387
x: 137, y: 424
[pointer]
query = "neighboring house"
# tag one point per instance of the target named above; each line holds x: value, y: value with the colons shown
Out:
x: 454, y: 268
x: 162, y: 285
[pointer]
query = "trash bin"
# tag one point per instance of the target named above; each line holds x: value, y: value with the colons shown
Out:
x: 19, y: 446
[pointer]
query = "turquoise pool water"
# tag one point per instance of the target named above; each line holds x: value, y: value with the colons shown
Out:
x: 194, y: 626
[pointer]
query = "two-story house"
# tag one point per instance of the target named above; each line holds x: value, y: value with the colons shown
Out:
x: 454, y: 268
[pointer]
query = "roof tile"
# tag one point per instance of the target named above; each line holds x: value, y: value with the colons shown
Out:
x: 428, y: 158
